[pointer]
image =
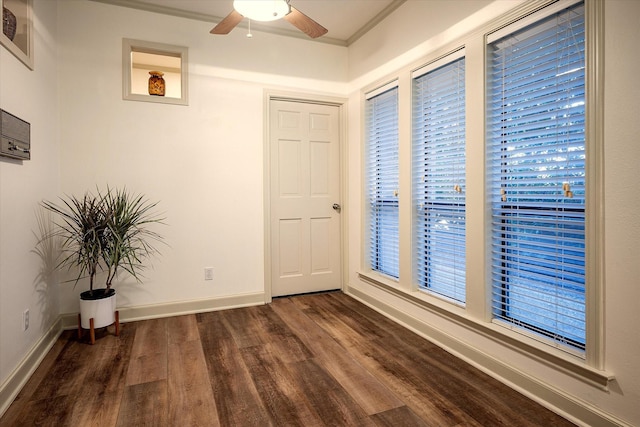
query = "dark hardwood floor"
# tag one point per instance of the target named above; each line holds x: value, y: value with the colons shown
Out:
x: 314, y: 360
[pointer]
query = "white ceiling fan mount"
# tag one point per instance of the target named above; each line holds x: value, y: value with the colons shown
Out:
x: 262, y: 10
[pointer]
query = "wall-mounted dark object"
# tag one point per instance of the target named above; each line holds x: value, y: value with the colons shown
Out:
x: 9, y: 23
x: 16, y: 137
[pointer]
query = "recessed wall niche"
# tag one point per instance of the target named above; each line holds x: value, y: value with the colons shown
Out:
x: 139, y: 58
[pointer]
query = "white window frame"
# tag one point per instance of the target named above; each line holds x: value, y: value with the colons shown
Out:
x: 593, y: 353
x: 391, y: 268
x: 448, y: 282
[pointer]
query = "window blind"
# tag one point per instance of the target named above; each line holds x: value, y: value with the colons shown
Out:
x: 382, y: 179
x: 439, y: 178
x: 536, y: 155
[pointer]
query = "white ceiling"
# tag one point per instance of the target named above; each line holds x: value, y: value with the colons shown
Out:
x: 346, y: 20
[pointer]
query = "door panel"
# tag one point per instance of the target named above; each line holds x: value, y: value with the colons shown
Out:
x: 305, y: 183
x: 290, y: 168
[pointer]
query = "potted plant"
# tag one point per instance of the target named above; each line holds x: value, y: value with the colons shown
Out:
x: 103, y: 232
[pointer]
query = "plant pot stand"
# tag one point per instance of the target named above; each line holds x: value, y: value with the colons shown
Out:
x: 92, y: 330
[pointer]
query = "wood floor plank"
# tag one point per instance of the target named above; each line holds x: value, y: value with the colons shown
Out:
x: 99, y: 410
x: 191, y: 401
x: 265, y: 327
x: 182, y: 329
x: 244, y: 326
x: 331, y: 403
x: 149, y: 353
x: 98, y: 400
x: 108, y: 369
x: 144, y: 404
x: 71, y: 365
x: 14, y: 412
x: 285, y: 403
x: 370, y: 394
x: 54, y: 411
x: 402, y: 416
x: 280, y: 338
x: 235, y: 394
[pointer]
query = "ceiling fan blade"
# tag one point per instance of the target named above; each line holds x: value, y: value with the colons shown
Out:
x: 228, y: 23
x: 305, y: 24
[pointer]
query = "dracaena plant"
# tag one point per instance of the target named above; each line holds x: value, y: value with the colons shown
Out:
x: 105, y: 232
x: 82, y: 225
x: 128, y: 239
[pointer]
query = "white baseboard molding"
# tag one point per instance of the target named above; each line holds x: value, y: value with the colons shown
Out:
x: 179, y: 308
x: 11, y: 387
x: 19, y: 377
x: 567, y: 406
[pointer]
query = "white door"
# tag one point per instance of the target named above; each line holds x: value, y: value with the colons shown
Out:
x: 305, y: 196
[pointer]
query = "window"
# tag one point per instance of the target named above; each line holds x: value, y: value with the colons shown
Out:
x: 536, y: 155
x: 382, y: 178
x: 439, y: 176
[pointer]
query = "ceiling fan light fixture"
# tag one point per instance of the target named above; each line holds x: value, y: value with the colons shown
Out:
x: 262, y: 10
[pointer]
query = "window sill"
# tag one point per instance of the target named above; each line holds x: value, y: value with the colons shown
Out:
x: 549, y: 356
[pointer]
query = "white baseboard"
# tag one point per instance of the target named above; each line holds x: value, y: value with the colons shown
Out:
x: 568, y: 406
x: 19, y: 377
x: 11, y: 387
x: 179, y: 308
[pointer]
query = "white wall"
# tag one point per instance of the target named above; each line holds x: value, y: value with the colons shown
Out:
x: 421, y: 25
x: 24, y: 283
x: 204, y: 162
x: 618, y: 404
x: 622, y: 204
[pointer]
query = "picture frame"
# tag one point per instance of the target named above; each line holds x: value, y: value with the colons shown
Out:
x: 17, y: 29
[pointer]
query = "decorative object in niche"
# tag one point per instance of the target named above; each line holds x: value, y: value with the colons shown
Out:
x: 9, y: 23
x: 170, y: 63
x: 156, y: 83
x: 17, y: 29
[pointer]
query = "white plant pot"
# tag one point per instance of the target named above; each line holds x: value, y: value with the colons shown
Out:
x: 102, y: 311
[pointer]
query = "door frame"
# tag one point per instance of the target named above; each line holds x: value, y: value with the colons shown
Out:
x: 305, y: 98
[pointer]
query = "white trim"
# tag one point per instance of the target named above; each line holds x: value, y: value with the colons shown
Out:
x: 13, y: 384
x: 447, y: 59
x: 595, y: 233
x: 180, y: 308
x: 530, y: 19
x: 256, y: 26
x: 559, y: 360
x: 381, y: 89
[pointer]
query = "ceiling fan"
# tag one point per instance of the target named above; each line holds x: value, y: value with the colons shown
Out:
x: 268, y: 10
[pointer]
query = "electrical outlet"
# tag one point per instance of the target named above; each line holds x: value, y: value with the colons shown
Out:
x: 25, y: 320
x: 208, y: 273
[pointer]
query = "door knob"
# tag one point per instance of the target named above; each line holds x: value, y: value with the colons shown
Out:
x: 336, y: 207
